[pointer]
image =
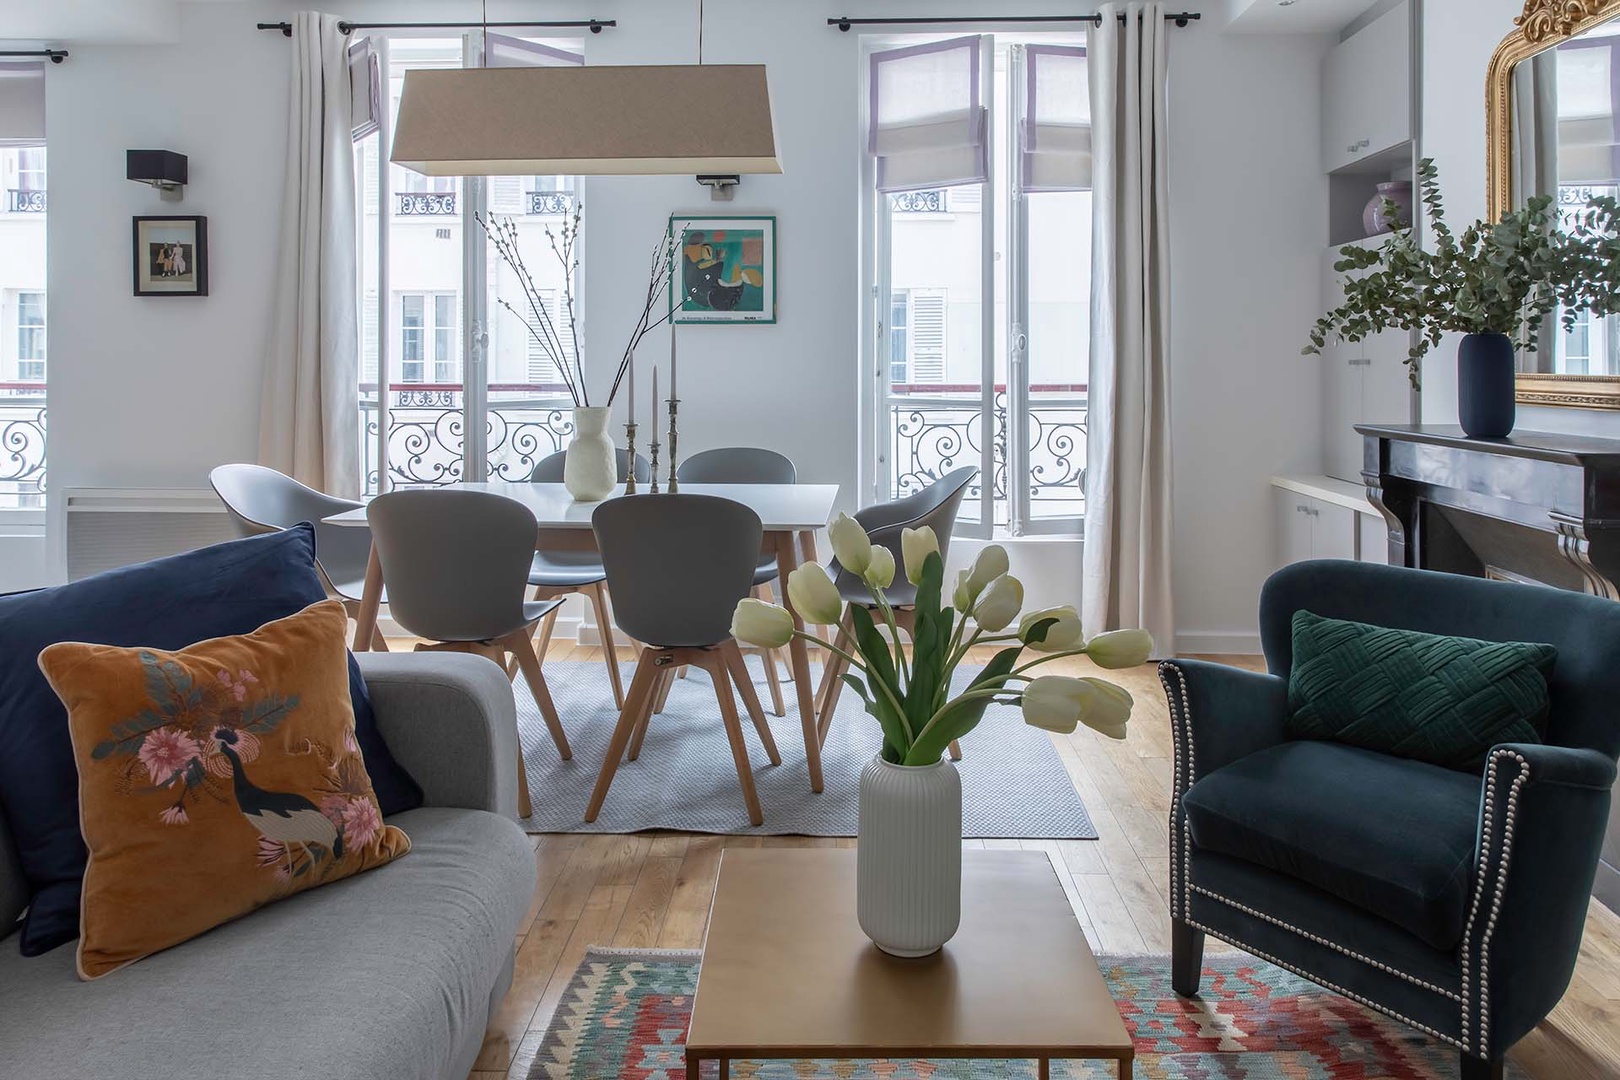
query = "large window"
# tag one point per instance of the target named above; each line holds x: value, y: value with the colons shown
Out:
x: 982, y: 278
x: 429, y: 346
x: 31, y: 337
x: 22, y: 318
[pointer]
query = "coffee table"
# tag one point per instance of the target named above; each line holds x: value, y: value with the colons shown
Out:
x: 787, y: 972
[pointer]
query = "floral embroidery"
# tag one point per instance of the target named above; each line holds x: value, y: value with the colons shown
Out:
x: 166, y: 752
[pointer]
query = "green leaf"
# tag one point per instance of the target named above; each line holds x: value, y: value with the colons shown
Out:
x: 263, y: 715
x: 894, y: 734
x: 128, y: 735
x: 960, y: 717
x: 928, y: 651
x: 879, y: 661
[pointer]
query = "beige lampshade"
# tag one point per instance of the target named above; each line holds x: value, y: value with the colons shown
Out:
x: 588, y: 121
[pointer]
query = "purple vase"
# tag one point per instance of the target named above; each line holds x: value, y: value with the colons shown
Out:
x: 1373, y: 218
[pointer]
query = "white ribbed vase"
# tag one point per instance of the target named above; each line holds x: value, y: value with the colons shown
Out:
x: 908, y: 876
x: 591, y: 468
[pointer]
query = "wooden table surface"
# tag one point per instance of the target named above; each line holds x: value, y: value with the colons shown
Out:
x: 787, y: 972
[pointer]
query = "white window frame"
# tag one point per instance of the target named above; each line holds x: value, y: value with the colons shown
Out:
x: 40, y: 330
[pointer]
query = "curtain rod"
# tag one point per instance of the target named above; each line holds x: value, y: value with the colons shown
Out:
x: 1180, y: 18
x: 55, y: 56
x: 594, y: 25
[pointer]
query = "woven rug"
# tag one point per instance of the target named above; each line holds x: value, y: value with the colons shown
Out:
x: 624, y: 1015
x: 1014, y: 785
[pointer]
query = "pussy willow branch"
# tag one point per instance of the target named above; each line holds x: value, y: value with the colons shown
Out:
x: 503, y: 235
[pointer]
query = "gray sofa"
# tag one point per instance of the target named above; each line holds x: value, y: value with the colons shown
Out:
x: 392, y: 974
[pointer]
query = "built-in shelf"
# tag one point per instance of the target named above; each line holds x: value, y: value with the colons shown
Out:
x: 1328, y: 489
x: 1353, y: 186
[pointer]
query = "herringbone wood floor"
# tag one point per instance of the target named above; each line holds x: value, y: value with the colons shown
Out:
x: 653, y: 890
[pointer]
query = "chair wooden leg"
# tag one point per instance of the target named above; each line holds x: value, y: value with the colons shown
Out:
x: 530, y: 663
x: 956, y: 750
x: 642, y: 685
x: 542, y: 641
x: 666, y: 682
x: 378, y: 642
x: 832, y: 683
x: 598, y: 595
x: 773, y: 682
x: 734, y: 735
x: 732, y: 655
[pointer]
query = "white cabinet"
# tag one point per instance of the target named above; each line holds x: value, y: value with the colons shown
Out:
x: 1317, y: 517
x: 1364, y: 382
x: 1367, y: 91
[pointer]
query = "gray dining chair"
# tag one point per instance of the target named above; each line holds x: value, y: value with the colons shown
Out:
x: 261, y: 500
x: 456, y: 563
x: 556, y: 574
x: 935, y: 506
x: 678, y: 565
x: 747, y: 465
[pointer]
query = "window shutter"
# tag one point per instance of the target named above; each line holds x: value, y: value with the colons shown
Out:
x: 927, y: 335
x: 1055, y: 132
x: 506, y: 194
x: 1588, y: 97
x: 22, y: 103
x: 503, y: 51
x: 927, y: 122
x: 365, y: 89
x: 541, y: 367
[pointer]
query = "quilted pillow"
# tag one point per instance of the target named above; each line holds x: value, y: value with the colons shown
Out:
x: 1444, y: 700
x: 213, y: 780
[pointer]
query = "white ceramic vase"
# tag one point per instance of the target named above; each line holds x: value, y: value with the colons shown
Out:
x: 908, y: 878
x: 591, y: 469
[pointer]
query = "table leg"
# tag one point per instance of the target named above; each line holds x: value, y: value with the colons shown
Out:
x: 786, y: 563
x: 365, y: 620
x: 1043, y: 1069
x: 725, y: 1069
x: 691, y: 1066
x: 1127, y: 1068
x: 807, y: 555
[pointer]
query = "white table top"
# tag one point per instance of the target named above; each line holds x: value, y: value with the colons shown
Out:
x: 781, y: 507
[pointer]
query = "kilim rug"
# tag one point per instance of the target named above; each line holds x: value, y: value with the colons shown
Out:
x: 624, y: 1015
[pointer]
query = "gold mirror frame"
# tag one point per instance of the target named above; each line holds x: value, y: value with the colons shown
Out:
x: 1544, y: 24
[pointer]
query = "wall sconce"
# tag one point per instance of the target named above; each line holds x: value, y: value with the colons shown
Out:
x: 721, y: 187
x: 163, y: 169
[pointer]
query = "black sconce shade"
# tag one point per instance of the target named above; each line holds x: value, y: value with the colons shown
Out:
x: 160, y: 168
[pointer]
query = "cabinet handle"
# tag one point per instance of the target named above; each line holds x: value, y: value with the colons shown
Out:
x: 1302, y: 509
x: 1360, y: 361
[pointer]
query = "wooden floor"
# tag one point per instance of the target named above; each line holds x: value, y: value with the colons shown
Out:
x: 653, y: 891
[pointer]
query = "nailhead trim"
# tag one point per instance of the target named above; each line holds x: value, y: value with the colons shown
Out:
x: 1307, y: 935
x: 1386, y: 1010
x: 1181, y: 732
x: 1480, y: 998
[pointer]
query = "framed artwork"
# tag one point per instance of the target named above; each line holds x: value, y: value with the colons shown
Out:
x: 725, y: 270
x: 171, y: 256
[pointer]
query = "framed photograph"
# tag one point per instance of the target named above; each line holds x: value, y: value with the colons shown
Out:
x: 725, y: 270
x: 171, y: 256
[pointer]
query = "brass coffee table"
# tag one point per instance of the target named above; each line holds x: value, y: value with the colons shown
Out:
x: 788, y: 974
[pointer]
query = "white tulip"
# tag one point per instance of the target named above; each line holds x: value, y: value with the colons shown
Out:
x: 1000, y: 603
x: 1061, y: 636
x: 762, y: 625
x: 851, y: 544
x: 880, y: 571
x: 814, y: 595
x: 961, y: 596
x: 991, y: 564
x: 1056, y: 703
x: 1109, y: 710
x: 916, y: 545
x: 1120, y: 648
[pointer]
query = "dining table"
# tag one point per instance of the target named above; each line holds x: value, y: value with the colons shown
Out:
x: 790, y: 513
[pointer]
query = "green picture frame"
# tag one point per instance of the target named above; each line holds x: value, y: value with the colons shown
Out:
x: 724, y: 269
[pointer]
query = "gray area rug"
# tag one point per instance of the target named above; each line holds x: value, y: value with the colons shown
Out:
x: 1014, y: 784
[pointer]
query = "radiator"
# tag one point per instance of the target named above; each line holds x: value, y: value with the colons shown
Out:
x: 112, y: 527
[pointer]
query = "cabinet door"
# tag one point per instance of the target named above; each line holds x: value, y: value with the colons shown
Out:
x: 1343, y: 407
x: 1292, y: 526
x: 1374, y: 538
x: 1367, y: 91
x: 1333, y: 530
x: 1386, y: 389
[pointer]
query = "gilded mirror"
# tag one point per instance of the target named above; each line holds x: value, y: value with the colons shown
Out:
x: 1552, y: 101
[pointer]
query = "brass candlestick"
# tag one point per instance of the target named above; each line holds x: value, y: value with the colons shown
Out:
x: 674, y: 481
x: 654, y: 449
x: 630, y: 449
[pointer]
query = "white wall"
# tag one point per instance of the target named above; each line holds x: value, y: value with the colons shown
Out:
x: 154, y: 392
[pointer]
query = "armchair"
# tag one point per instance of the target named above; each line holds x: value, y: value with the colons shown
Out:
x: 1450, y: 901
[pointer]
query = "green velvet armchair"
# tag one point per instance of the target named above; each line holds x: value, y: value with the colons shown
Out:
x: 1453, y: 901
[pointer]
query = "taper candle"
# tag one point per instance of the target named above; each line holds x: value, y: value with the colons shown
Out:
x: 632, y: 409
x: 655, y: 403
x: 672, y: 392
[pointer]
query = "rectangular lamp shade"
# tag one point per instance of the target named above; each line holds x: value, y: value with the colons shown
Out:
x: 586, y: 121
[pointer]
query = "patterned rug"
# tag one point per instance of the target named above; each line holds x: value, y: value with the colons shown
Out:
x: 1014, y: 785
x: 624, y: 1015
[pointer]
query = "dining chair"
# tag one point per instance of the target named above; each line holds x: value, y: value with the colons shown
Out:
x: 556, y: 574
x: 746, y: 465
x: 456, y: 563
x: 678, y: 565
x: 261, y: 500
x: 935, y: 506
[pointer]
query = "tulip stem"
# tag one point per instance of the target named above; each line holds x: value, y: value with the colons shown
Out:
x: 894, y: 631
x: 1048, y: 656
x: 986, y: 691
x: 871, y: 680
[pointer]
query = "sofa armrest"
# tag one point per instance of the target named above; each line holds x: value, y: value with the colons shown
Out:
x: 1219, y: 714
x: 1543, y: 811
x: 450, y: 720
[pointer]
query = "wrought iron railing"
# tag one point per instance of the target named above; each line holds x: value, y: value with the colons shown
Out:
x: 22, y: 444
x: 937, y: 427
x: 918, y: 202
x: 425, y: 203
x: 30, y: 201
x: 550, y: 203
x: 427, y: 431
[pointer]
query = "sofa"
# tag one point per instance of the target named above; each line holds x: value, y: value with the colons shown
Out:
x: 389, y: 975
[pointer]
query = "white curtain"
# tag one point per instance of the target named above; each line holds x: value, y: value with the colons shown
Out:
x: 1126, y: 582
x: 309, y: 421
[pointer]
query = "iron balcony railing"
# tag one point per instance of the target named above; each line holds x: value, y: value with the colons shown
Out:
x: 25, y: 201
x: 427, y: 430
x: 425, y: 203
x: 22, y: 444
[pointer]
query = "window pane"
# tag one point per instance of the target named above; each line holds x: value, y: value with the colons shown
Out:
x: 1059, y: 335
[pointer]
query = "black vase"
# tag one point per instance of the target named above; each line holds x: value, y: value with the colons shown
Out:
x: 1485, y: 389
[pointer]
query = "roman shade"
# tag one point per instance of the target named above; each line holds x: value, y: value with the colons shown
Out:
x: 1055, y: 130
x: 365, y: 88
x: 1588, y: 104
x: 501, y: 51
x: 927, y: 122
x: 22, y: 103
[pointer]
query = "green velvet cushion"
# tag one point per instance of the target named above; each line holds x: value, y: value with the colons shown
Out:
x: 1444, y: 700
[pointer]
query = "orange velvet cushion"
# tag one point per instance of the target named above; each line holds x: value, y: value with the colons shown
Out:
x: 213, y: 780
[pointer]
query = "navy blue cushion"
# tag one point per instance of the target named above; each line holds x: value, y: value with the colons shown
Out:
x: 231, y: 588
x: 1389, y: 835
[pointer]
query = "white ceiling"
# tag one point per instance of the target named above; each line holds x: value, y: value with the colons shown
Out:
x: 1299, y: 17
x: 92, y: 22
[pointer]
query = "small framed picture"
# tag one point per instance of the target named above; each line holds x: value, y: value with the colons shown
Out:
x: 171, y: 256
x: 725, y: 270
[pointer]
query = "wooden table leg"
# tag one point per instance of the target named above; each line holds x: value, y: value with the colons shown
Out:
x: 786, y: 563
x: 1127, y: 1068
x: 365, y: 620
x: 1043, y: 1069
x: 807, y: 555
x: 691, y: 1066
x: 725, y: 1069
